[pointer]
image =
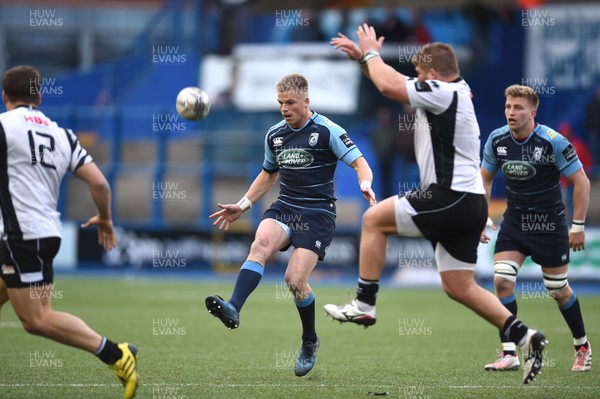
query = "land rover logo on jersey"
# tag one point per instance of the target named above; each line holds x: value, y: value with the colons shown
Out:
x: 294, y: 158
x: 314, y: 137
x: 518, y: 170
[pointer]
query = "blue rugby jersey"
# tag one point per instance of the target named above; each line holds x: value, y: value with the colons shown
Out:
x: 306, y: 159
x: 532, y: 168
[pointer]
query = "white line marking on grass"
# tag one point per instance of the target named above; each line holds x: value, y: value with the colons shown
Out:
x: 11, y: 324
x: 512, y: 387
x: 192, y: 385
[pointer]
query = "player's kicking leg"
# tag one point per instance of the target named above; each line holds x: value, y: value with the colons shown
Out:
x: 270, y: 237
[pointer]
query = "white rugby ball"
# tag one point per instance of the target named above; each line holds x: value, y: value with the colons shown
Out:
x: 193, y: 103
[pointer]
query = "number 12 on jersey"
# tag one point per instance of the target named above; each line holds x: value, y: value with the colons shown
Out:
x: 41, y: 148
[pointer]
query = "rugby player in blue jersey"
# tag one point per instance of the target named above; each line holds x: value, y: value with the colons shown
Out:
x: 449, y: 208
x: 532, y: 157
x: 303, y: 151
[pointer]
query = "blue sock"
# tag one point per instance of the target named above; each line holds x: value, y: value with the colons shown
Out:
x: 306, y: 309
x: 572, y: 315
x: 247, y: 280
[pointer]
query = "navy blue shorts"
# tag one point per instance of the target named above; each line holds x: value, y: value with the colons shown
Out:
x: 543, y: 236
x: 311, y: 229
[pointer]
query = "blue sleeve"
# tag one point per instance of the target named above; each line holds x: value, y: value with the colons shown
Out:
x: 565, y: 156
x: 270, y: 163
x: 342, y: 145
x: 490, y: 162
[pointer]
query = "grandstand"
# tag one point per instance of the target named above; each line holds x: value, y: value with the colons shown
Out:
x: 112, y: 73
x: 112, y: 70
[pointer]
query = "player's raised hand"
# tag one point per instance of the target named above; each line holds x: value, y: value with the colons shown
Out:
x: 228, y: 214
x: 343, y: 43
x: 577, y: 241
x: 106, y: 231
x: 367, y: 38
x: 484, y: 237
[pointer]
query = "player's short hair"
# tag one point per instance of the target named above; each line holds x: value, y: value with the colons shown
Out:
x: 295, y: 83
x: 523, y: 91
x: 439, y: 56
x: 22, y: 83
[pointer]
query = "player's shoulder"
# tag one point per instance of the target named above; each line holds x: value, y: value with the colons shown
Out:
x: 550, y: 134
x: 328, y: 124
x: 435, y: 85
x: 499, y: 133
x: 8, y: 115
x: 276, y: 127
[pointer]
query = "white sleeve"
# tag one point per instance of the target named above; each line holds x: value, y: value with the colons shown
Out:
x: 431, y: 95
x: 79, y: 155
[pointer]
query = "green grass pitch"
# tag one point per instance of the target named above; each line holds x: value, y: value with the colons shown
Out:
x: 424, y: 345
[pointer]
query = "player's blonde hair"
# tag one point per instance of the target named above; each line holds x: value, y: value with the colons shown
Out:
x: 525, y: 92
x: 294, y: 83
x: 439, y: 56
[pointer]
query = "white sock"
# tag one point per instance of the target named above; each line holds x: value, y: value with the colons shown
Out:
x: 365, y: 307
x: 509, y: 346
x: 580, y: 341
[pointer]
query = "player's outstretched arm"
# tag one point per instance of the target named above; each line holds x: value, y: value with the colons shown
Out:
x: 347, y: 46
x: 388, y: 81
x: 365, y: 179
x: 101, y: 195
x: 229, y: 213
x: 581, y: 199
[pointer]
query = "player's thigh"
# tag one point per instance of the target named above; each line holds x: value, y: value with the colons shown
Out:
x: 301, y: 264
x: 513, y: 256
x: 389, y: 216
x: 551, y: 249
x: 456, y: 281
x: 32, y: 302
x: 270, y: 236
x: 3, y: 292
x: 28, y: 274
x: 555, y: 270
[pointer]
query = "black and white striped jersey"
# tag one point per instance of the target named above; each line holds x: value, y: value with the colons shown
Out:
x: 447, y: 137
x: 35, y: 154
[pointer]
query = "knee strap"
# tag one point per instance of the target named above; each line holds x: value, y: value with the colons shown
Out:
x: 507, y: 269
x: 555, y: 282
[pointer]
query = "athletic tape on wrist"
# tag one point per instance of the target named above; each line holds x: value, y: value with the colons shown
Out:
x: 578, y: 226
x: 369, y: 55
x: 244, y: 204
